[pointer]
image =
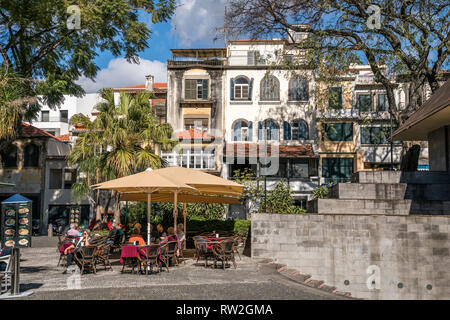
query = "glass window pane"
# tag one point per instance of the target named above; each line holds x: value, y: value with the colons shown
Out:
x: 382, y: 102
x: 365, y: 102
x: 299, y: 170
x: 335, y: 98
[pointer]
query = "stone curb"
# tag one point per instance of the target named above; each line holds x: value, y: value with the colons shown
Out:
x: 304, y: 279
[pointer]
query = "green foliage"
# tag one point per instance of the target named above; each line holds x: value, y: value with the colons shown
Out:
x: 280, y: 200
x: 17, y: 102
x: 321, y: 192
x: 119, y: 142
x: 36, y: 42
x: 251, y: 193
x: 195, y: 222
x: 298, y: 210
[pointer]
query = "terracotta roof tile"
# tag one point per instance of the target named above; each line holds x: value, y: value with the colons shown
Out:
x: 63, y: 137
x: 29, y: 131
x: 191, y: 134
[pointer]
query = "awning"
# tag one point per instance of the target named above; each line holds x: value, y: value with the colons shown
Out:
x: 433, y: 114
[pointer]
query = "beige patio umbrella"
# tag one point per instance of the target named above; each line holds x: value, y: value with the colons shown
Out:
x: 174, y: 184
x: 145, y: 183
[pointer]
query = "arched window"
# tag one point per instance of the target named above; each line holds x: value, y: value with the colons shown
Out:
x: 31, y: 156
x: 298, y: 89
x: 241, y: 88
x: 296, y: 130
x: 242, y: 130
x: 268, y: 128
x: 9, y: 156
x: 270, y: 88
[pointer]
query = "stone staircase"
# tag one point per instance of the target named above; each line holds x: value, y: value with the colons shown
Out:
x: 388, y: 193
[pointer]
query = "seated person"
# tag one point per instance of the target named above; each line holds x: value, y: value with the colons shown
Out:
x: 135, y: 236
x: 159, y: 230
x: 180, y: 232
x: 172, y: 237
x: 73, y: 232
x: 71, y: 250
x: 115, y: 235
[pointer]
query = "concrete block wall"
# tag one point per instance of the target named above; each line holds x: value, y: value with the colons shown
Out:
x: 412, y: 252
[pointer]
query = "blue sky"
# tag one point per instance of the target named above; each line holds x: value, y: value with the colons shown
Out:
x: 196, y: 22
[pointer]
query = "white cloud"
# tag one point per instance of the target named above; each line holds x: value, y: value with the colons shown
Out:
x: 197, y: 21
x: 120, y: 73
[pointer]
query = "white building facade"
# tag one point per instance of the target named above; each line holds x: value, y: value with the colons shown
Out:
x: 264, y: 100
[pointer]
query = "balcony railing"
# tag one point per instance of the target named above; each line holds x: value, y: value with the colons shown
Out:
x: 338, y: 114
x: 186, y: 63
x: 52, y: 119
x: 198, y: 160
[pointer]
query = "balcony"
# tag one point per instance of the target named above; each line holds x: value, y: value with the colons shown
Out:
x: 52, y: 119
x: 195, y: 63
x: 337, y: 114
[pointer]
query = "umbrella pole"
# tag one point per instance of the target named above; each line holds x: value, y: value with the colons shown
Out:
x: 175, y: 210
x: 184, y: 213
x: 149, y: 209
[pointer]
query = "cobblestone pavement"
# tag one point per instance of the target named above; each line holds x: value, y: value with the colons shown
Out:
x: 186, y: 281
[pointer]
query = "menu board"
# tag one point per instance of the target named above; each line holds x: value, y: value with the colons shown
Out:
x: 75, y: 215
x: 16, y: 225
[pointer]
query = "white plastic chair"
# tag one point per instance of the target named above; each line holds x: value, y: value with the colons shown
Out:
x: 6, y: 274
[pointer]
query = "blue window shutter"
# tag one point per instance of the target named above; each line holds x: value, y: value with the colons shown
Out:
x: 250, y: 130
x: 302, y: 131
x: 237, y: 133
x: 205, y: 89
x: 250, y: 89
x: 231, y: 89
x: 287, y: 130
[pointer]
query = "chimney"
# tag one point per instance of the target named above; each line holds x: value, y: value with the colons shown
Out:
x: 149, y: 80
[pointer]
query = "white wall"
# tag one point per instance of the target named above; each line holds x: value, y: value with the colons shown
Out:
x: 74, y: 106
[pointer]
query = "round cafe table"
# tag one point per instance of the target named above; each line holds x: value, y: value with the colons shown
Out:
x: 129, y: 256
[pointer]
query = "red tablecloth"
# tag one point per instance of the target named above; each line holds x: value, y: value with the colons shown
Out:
x: 210, y: 245
x: 128, y: 252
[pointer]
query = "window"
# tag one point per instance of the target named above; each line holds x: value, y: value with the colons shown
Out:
x: 55, y: 178
x: 195, y: 159
x: 365, y: 102
x: 51, y: 132
x: 297, y: 130
x: 335, y: 98
x: 31, y: 156
x: 253, y: 58
x: 269, y: 129
x: 377, y: 135
x: 70, y: 177
x: 242, y: 131
x: 299, y: 169
x: 241, y: 88
x: 64, y: 116
x: 45, y: 116
x: 196, y: 123
x: 270, y: 89
x: 337, y: 169
x: 338, y: 131
x: 289, y: 58
x: 298, y: 89
x: 383, y: 104
x: 196, y: 89
x: 9, y: 156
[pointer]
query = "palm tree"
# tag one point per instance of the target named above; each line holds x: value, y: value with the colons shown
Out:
x: 18, y: 103
x: 119, y: 142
